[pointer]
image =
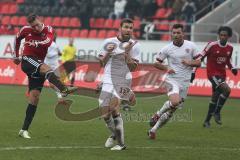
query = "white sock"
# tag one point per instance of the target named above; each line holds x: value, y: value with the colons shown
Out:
x: 166, y: 106
x: 162, y: 120
x: 110, y: 124
x: 118, y: 121
x: 59, y: 95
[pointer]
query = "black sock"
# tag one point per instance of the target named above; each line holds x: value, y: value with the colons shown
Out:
x: 211, y: 110
x: 221, y: 101
x: 72, y: 81
x: 30, y: 112
x: 69, y: 66
x: 52, y: 78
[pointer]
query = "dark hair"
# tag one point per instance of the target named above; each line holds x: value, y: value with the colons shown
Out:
x: 227, y: 29
x: 178, y: 25
x: 126, y: 20
x: 31, y: 17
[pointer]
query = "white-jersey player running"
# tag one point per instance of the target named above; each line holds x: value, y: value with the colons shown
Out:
x: 119, y: 56
x: 52, y: 60
x: 180, y: 55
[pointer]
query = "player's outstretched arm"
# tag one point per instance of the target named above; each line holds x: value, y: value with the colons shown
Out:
x: 230, y: 66
x: 103, y: 58
x: 17, y: 43
x: 163, y: 67
x: 16, y: 60
x: 192, y: 63
x: 132, y: 63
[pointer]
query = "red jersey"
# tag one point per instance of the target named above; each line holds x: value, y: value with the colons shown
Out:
x: 42, y: 40
x: 218, y: 57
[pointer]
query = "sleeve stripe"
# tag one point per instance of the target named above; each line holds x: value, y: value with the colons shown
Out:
x: 210, y: 45
x: 45, y: 41
x: 207, y: 48
x: 23, y: 29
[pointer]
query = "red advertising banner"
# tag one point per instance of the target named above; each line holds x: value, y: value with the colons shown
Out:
x: 145, y: 79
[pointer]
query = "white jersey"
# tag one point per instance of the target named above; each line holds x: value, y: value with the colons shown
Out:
x: 52, y: 56
x: 116, y: 70
x: 175, y: 55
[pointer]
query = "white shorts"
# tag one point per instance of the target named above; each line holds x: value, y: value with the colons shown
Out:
x: 52, y: 63
x: 177, y: 87
x: 122, y: 92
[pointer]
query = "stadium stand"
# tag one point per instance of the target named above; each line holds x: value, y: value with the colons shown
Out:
x: 90, y: 18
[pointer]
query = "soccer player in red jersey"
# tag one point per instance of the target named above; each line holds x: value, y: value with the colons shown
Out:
x: 218, y: 55
x: 38, y: 38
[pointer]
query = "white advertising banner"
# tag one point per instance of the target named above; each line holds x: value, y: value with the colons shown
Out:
x: 87, y: 48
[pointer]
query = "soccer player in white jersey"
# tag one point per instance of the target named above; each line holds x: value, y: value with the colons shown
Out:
x: 119, y: 56
x: 180, y: 55
x: 52, y: 60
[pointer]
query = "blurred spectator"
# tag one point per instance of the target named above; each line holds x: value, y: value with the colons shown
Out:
x: 10, y: 29
x: 6, y: 29
x: 119, y: 8
x: 177, y: 8
x: 168, y: 3
x: 149, y: 31
x: 51, y: 2
x: 149, y: 8
x: 2, y: 28
x: 133, y: 9
x: 200, y: 4
x: 188, y: 9
x: 85, y: 13
x: 7, y: 0
x: 68, y: 3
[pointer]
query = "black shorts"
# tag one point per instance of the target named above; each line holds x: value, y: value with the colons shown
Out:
x: 30, y: 66
x: 216, y: 81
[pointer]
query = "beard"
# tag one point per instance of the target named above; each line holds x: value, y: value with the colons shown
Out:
x: 223, y: 42
x: 126, y: 38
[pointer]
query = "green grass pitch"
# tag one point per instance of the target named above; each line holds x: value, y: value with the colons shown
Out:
x: 53, y: 139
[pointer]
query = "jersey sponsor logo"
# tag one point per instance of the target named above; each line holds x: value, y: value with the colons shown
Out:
x: 221, y: 60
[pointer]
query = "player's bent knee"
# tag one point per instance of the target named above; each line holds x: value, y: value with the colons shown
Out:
x: 44, y: 68
x: 34, y: 97
x: 114, y: 103
x: 106, y: 117
x: 175, y: 100
x: 226, y: 90
x: 34, y: 100
x: 175, y: 104
x: 115, y: 113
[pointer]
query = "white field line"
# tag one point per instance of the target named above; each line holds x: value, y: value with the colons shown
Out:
x: 129, y: 147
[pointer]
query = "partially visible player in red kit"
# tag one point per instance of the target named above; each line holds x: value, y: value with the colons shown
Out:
x: 218, y: 55
x: 38, y: 38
